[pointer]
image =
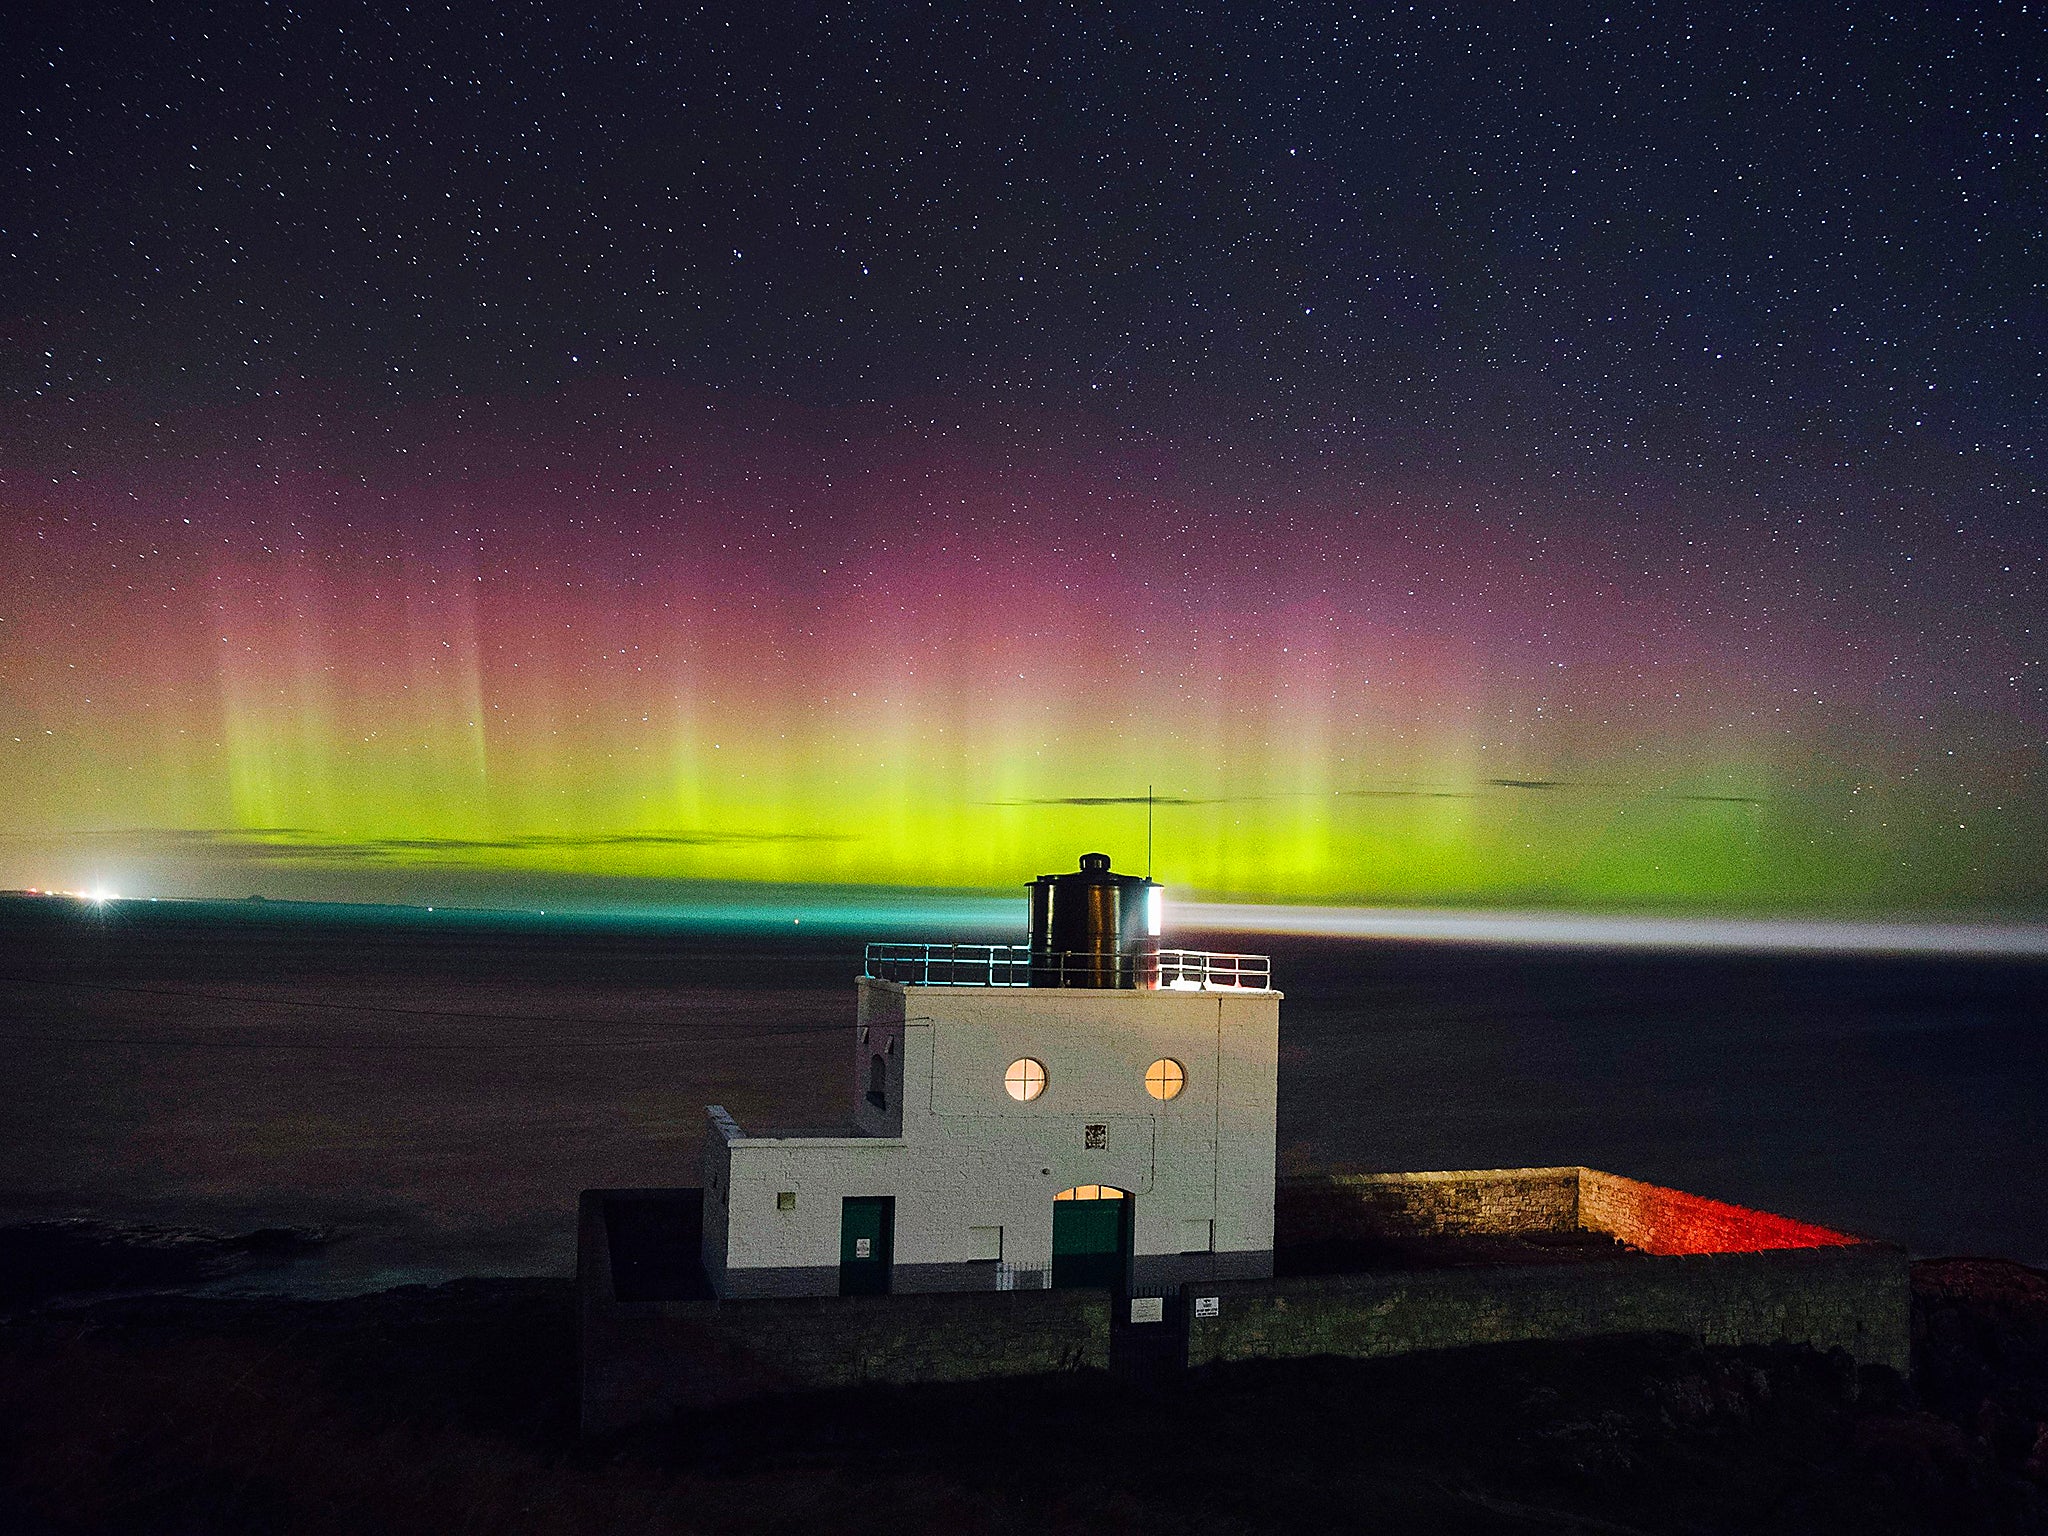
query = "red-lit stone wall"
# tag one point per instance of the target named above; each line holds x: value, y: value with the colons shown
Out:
x: 1670, y: 1221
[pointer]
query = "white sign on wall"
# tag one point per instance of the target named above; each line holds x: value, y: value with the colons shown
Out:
x: 1208, y: 1306
x: 1148, y: 1309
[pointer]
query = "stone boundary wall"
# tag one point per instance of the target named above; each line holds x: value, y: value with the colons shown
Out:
x: 1850, y: 1297
x: 1670, y: 1221
x: 1719, y: 1272
x: 1779, y: 1280
x: 641, y: 1360
x: 1354, y: 1207
x: 1523, y: 1201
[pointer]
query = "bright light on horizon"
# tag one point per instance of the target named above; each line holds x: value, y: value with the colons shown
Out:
x: 98, y: 896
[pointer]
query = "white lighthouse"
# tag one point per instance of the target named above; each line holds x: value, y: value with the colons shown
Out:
x: 1089, y: 1109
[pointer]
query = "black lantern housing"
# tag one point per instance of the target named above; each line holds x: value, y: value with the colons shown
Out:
x: 1094, y: 928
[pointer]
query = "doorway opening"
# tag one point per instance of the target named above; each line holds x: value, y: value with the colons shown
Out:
x: 867, y: 1242
x: 1091, y: 1237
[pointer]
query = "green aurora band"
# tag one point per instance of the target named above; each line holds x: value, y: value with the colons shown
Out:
x: 538, y: 665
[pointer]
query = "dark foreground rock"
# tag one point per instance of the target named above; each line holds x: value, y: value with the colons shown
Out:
x: 451, y: 1409
x: 42, y: 1260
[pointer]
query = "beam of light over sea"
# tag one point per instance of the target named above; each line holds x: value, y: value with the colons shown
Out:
x: 1567, y: 930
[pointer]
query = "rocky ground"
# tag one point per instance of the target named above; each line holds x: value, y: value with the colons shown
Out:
x: 42, y: 1261
x: 451, y: 1409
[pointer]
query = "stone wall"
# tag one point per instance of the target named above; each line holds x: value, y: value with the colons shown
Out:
x: 698, y: 1354
x: 1361, y: 1207
x: 1781, y: 1280
x: 1670, y: 1221
x: 1852, y: 1297
x: 640, y: 1360
x: 1524, y: 1201
x: 1719, y: 1272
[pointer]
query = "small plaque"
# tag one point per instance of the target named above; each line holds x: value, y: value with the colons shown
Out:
x: 1094, y: 1138
x: 863, y: 1247
x: 786, y: 1200
x: 1148, y: 1309
x: 1208, y: 1306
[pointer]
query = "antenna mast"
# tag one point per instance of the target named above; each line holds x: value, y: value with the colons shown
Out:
x: 1148, y: 831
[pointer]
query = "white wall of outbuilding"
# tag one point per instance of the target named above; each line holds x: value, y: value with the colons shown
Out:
x: 960, y: 1156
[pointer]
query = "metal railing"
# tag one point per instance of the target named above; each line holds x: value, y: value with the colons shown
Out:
x: 951, y: 965
x: 1210, y: 969
x: 1014, y: 965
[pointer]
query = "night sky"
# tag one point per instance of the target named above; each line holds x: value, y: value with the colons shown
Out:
x: 1509, y: 455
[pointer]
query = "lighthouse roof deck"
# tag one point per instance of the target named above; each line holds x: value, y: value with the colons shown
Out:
x: 1012, y: 965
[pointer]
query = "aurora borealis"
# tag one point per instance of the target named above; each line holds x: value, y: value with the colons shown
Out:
x: 799, y: 452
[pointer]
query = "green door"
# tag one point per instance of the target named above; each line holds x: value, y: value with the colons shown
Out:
x: 1090, y: 1239
x: 867, y: 1230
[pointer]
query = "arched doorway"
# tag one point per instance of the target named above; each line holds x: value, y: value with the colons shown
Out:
x: 1091, y: 1236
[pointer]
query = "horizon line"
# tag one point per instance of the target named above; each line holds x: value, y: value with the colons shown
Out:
x: 1479, y: 927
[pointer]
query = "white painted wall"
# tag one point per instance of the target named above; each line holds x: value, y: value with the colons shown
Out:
x: 960, y: 1156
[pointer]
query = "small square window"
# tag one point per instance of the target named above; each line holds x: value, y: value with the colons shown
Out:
x: 785, y: 1200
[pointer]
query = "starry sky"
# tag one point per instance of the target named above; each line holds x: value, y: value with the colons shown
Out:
x: 1552, y: 455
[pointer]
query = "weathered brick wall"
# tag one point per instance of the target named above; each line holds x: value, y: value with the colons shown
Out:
x: 1362, y: 1207
x: 1670, y: 1221
x: 1852, y: 1297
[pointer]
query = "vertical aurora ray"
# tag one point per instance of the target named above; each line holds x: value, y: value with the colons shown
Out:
x: 836, y: 650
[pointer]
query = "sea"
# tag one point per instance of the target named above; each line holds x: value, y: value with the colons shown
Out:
x: 423, y: 1093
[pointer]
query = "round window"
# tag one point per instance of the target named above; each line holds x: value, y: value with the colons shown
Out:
x: 1165, y: 1078
x: 1025, y: 1080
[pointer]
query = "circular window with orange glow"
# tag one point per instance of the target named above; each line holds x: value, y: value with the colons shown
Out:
x: 1165, y: 1078
x: 1025, y: 1080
